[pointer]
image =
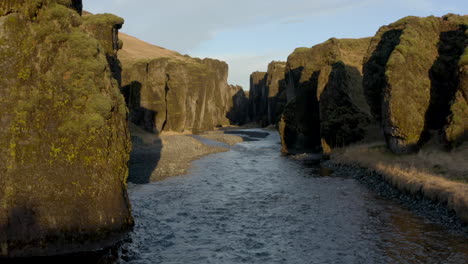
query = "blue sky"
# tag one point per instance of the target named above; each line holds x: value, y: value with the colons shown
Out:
x: 248, y: 34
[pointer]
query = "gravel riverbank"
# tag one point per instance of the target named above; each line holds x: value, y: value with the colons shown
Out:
x: 421, y: 205
x: 157, y: 157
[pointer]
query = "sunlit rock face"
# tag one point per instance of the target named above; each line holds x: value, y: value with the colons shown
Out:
x: 64, y: 141
x: 166, y: 91
x: 267, y: 94
x: 414, y: 78
x: 326, y: 106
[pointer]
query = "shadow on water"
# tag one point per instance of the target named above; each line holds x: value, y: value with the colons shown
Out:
x: 146, y: 144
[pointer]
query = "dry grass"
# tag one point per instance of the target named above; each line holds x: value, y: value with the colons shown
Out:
x: 135, y: 49
x: 439, y: 176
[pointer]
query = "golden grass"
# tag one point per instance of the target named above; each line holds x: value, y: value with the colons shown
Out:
x: 135, y: 49
x: 439, y: 176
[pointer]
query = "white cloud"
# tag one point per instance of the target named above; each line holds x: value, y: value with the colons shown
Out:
x: 183, y: 24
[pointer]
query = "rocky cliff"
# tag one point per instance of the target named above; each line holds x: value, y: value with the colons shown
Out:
x: 166, y: 91
x: 326, y: 105
x: 238, y: 113
x: 414, y: 78
x: 267, y: 94
x: 64, y: 142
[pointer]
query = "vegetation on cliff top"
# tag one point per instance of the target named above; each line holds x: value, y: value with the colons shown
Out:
x: 63, y: 129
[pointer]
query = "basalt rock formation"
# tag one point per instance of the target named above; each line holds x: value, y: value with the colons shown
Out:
x: 415, y: 78
x: 326, y: 105
x: 166, y: 91
x: 267, y: 94
x: 64, y: 142
x: 238, y: 113
x: 258, y: 97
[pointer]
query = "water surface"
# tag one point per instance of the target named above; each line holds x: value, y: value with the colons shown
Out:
x: 252, y: 205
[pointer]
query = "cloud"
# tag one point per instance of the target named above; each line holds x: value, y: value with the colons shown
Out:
x: 183, y: 24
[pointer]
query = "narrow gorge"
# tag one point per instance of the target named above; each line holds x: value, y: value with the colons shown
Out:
x: 116, y: 150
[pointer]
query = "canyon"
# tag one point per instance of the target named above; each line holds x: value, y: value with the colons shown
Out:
x: 87, y: 111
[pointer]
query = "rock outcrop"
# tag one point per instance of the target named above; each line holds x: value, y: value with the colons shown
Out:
x: 258, y: 97
x: 413, y: 80
x: 267, y: 94
x: 166, y: 91
x: 64, y: 141
x: 326, y: 105
x: 238, y: 112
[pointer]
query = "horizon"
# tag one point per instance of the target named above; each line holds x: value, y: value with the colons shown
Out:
x: 245, y: 34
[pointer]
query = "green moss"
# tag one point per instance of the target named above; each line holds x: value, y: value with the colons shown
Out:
x: 100, y: 26
x: 63, y: 121
x: 464, y: 59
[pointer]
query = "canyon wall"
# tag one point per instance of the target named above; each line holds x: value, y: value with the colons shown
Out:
x: 267, y: 95
x: 414, y: 81
x: 64, y: 141
x: 166, y: 91
x: 409, y: 81
x: 326, y: 105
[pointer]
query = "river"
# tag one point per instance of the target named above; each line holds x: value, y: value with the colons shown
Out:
x: 253, y: 205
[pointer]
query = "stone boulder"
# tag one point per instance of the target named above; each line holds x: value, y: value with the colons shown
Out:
x: 64, y: 141
x: 326, y: 105
x: 411, y: 75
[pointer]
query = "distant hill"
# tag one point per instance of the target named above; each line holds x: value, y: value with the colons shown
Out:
x: 135, y: 49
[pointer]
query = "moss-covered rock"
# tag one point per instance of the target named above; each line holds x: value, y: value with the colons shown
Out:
x: 258, y: 97
x: 325, y: 85
x: 238, y: 113
x: 456, y: 130
x: 64, y: 143
x: 411, y: 77
x: 179, y: 95
x: 268, y: 94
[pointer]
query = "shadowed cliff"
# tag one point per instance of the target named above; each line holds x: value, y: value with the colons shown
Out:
x: 413, y: 81
x: 326, y: 105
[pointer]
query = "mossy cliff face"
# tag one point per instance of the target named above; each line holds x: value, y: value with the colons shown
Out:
x: 326, y: 105
x: 268, y: 94
x: 238, y: 110
x: 64, y: 142
x: 411, y: 76
x: 177, y: 94
x: 456, y: 130
x: 258, y: 97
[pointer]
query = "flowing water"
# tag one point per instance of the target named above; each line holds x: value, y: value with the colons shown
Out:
x: 252, y: 205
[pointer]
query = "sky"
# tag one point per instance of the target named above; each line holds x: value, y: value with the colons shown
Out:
x: 249, y: 34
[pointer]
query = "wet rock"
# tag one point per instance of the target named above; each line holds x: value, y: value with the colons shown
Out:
x: 411, y: 78
x: 64, y: 142
x: 326, y: 105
